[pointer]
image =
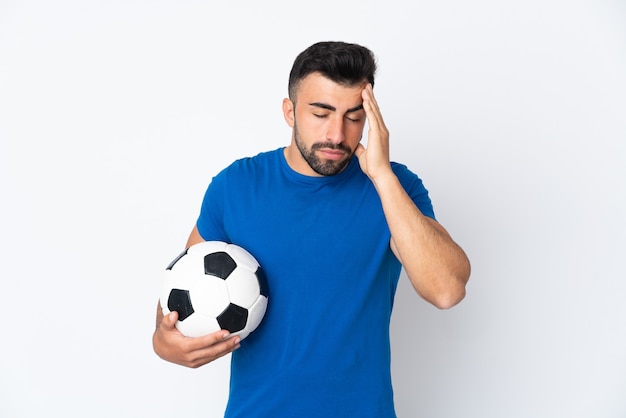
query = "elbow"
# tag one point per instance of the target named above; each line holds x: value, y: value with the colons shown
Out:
x: 443, y: 290
x: 448, y: 299
x: 454, y: 292
x: 448, y: 293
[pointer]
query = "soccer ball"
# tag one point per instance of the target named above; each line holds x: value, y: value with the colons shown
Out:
x: 214, y: 285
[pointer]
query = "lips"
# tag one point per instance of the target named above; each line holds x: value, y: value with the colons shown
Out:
x: 332, y: 154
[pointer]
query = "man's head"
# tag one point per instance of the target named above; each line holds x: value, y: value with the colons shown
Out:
x: 344, y: 63
x: 325, y: 106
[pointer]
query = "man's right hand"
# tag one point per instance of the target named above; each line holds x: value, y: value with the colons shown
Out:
x: 171, y: 345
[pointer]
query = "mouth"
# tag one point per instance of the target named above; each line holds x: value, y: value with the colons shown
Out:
x: 332, y: 153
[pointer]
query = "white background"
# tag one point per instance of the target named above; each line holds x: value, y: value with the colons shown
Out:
x: 114, y: 116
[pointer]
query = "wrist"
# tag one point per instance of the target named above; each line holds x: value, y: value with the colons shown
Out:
x: 384, y: 178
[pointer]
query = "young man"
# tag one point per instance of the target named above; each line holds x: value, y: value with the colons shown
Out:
x: 332, y: 223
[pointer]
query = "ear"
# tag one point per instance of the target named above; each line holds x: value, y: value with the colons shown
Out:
x: 288, y: 112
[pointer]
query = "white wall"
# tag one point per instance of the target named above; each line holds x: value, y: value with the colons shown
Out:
x: 114, y: 116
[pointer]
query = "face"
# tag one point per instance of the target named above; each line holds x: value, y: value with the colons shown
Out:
x: 327, y: 120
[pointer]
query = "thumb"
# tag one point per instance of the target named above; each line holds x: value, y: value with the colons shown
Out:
x: 170, y: 319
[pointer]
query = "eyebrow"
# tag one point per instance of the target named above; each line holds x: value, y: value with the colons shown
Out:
x: 334, y: 109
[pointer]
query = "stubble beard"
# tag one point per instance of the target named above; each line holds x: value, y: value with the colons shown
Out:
x: 322, y: 167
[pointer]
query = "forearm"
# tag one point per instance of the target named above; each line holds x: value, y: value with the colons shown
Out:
x: 437, y: 267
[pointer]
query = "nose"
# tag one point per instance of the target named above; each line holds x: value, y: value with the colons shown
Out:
x: 335, y: 132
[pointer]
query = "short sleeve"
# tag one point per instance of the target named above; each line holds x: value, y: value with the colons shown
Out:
x: 210, y: 222
x: 414, y: 187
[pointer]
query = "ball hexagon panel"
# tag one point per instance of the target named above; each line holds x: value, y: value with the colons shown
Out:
x: 244, y: 258
x: 209, y: 295
x: 243, y: 287
x: 198, y: 325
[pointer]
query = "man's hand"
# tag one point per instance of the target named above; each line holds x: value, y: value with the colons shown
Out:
x: 171, y: 345
x: 374, y: 160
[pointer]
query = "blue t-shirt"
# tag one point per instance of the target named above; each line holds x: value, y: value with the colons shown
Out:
x: 322, y: 349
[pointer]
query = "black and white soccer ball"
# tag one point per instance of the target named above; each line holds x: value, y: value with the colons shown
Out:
x: 215, y: 285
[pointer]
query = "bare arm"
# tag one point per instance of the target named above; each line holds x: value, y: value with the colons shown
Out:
x: 171, y: 345
x: 194, y: 237
x: 437, y: 267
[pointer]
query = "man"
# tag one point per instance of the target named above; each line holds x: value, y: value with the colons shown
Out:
x: 332, y: 223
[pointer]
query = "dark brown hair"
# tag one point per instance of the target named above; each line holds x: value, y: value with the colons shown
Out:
x: 344, y: 63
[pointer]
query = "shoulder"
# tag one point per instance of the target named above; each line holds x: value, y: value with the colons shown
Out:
x: 398, y: 167
x: 257, y: 161
x: 404, y: 174
x: 252, y: 164
x: 415, y: 188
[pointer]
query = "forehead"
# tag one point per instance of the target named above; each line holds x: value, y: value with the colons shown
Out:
x: 319, y: 89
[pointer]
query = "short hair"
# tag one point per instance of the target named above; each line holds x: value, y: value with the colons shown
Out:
x: 344, y: 63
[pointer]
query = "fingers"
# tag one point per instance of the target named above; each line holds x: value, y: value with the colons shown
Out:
x: 370, y: 105
x: 375, y: 120
x: 211, y: 347
x: 205, y: 349
x: 374, y: 159
x: 171, y: 345
x: 194, y: 352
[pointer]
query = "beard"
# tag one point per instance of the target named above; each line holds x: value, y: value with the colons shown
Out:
x: 321, y: 166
